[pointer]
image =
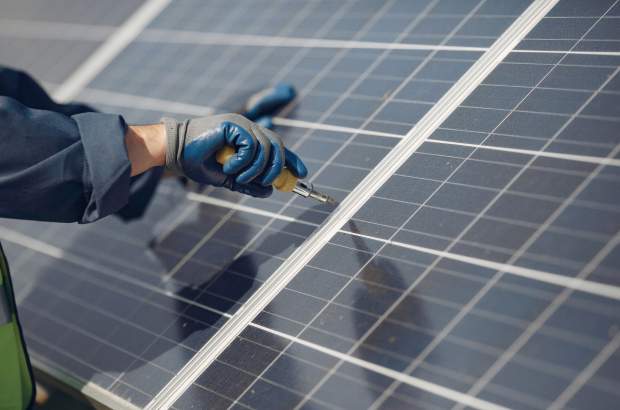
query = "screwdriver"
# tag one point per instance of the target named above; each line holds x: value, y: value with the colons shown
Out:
x: 285, y: 182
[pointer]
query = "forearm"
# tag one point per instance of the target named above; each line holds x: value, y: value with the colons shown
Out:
x: 146, y: 147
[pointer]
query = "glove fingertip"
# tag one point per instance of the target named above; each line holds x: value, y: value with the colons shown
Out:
x: 295, y: 164
x: 287, y: 91
x: 245, y: 178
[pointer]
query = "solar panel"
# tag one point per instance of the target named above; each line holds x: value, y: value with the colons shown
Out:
x: 482, y: 273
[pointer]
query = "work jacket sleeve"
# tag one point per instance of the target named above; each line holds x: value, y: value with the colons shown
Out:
x: 58, y: 168
x: 22, y: 87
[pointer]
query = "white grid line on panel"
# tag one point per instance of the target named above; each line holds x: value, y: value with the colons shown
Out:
x: 77, y: 31
x: 196, y: 37
x: 117, y: 99
x: 30, y: 29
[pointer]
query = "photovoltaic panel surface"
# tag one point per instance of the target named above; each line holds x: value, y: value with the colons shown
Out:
x: 452, y: 320
x: 410, y: 290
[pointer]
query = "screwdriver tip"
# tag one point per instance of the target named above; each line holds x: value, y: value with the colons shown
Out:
x: 307, y: 190
x: 324, y: 198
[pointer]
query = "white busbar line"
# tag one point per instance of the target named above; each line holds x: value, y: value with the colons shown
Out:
x: 595, y: 288
x: 96, y: 32
x: 105, y: 53
x: 243, y: 208
x: 117, y: 99
x: 546, y: 154
x: 288, y: 122
x: 256, y: 40
x: 96, y: 96
x: 433, y: 119
x: 557, y: 155
x: 197, y: 37
x: 582, y: 285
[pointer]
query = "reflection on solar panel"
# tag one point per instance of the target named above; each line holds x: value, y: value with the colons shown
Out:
x: 483, y: 271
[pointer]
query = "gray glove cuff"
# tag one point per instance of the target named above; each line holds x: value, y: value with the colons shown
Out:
x: 173, y: 145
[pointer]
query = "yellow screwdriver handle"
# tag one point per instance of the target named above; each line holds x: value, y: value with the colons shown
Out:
x: 285, y: 182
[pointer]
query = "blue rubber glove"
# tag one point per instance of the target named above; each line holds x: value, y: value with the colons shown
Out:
x: 259, y: 159
x: 266, y: 103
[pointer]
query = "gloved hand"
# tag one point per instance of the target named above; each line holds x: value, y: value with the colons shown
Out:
x: 259, y: 159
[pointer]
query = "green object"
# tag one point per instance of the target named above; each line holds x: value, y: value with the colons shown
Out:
x: 16, y: 381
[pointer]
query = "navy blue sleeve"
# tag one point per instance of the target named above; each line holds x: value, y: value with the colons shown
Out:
x: 19, y: 85
x: 59, y: 168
